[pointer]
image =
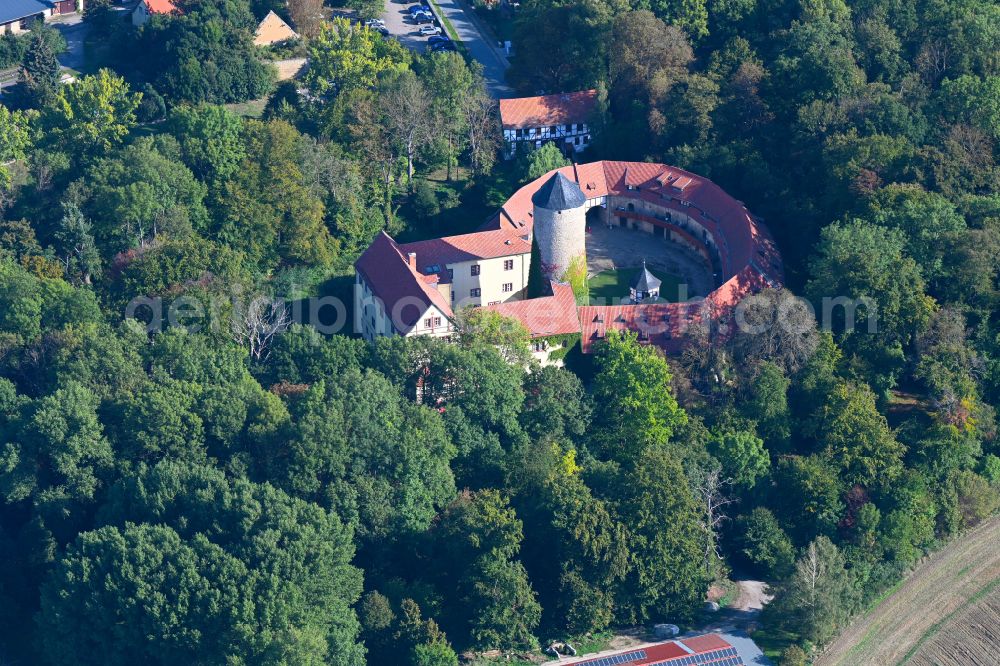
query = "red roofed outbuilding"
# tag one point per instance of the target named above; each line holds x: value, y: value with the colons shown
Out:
x: 564, y: 118
x: 147, y: 8
x: 548, y: 319
x: 707, y: 649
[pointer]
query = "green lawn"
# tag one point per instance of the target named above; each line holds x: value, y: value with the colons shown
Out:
x: 610, y: 287
x: 251, y: 109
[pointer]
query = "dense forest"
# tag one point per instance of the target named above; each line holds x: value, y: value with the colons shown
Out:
x: 199, y: 493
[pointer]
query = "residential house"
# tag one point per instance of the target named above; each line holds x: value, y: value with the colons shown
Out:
x: 416, y: 288
x: 564, y: 119
x: 147, y: 8
x: 16, y: 15
x: 273, y: 30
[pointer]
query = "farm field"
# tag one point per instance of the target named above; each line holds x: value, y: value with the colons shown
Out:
x: 971, y: 636
x: 946, y: 612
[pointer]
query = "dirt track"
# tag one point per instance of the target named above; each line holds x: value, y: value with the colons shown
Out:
x: 930, y: 604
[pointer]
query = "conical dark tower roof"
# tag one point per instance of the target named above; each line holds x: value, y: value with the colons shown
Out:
x: 646, y: 281
x: 559, y: 193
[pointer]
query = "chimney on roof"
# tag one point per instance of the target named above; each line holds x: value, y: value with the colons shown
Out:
x: 411, y: 258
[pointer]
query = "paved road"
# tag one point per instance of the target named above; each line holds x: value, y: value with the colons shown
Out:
x: 470, y: 32
x: 480, y: 46
x: 74, y: 30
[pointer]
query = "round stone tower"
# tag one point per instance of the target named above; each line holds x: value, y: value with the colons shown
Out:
x: 559, y: 226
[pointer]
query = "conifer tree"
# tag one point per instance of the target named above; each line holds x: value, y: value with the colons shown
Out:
x: 40, y: 71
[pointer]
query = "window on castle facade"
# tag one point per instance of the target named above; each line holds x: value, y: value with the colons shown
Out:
x: 475, y: 269
x: 475, y: 293
x: 508, y: 264
x: 508, y: 287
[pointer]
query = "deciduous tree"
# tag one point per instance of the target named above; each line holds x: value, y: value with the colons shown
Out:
x: 94, y: 114
x: 818, y: 598
x: 307, y: 16
x: 406, y: 109
x: 635, y: 400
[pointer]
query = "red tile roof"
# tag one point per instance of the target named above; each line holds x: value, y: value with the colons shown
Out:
x: 467, y: 247
x: 659, y: 324
x: 741, y: 239
x: 545, y: 316
x: 748, y: 256
x: 161, y: 6
x: 714, y: 651
x: 706, y: 642
x: 547, y: 110
x: 386, y: 270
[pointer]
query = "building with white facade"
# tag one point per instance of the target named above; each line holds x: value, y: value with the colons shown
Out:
x: 563, y: 119
x: 147, y: 8
x: 416, y: 288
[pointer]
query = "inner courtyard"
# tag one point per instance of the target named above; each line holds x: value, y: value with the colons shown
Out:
x: 616, y: 248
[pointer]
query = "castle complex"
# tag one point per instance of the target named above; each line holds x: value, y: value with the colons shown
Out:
x: 416, y: 288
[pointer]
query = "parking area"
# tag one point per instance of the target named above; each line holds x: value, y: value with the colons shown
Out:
x: 403, y: 27
x: 470, y: 32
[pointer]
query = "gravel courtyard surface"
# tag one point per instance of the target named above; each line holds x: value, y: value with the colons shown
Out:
x: 615, y: 247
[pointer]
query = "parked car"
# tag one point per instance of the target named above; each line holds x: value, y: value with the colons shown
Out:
x: 423, y: 18
x: 437, y: 39
x: 429, y: 30
x: 382, y: 30
x: 374, y: 23
x: 443, y: 46
x: 416, y: 9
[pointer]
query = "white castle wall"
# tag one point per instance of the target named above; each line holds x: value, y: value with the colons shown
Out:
x: 561, y: 237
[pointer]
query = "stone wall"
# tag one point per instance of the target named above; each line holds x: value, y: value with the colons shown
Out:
x: 561, y: 237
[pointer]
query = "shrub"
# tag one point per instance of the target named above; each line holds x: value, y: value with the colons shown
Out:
x: 425, y: 201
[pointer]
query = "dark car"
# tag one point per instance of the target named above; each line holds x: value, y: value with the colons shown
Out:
x: 423, y: 18
x: 437, y: 39
x: 416, y: 9
x: 442, y: 46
